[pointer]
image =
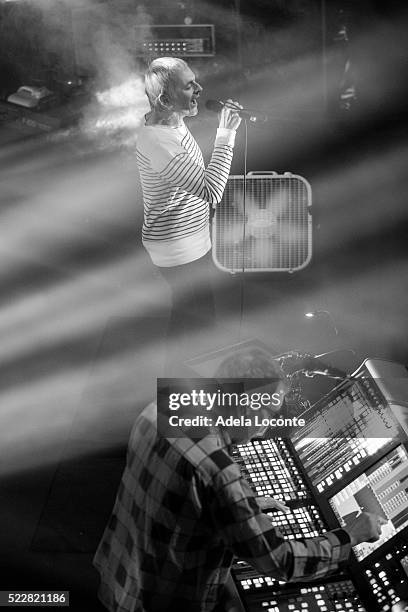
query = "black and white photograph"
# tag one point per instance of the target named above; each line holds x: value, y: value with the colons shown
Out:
x: 203, y: 305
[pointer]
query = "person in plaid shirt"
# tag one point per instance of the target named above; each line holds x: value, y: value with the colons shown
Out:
x: 183, y: 511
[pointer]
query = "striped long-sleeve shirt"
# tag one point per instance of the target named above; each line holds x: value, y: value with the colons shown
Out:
x: 177, y: 191
x: 182, y: 511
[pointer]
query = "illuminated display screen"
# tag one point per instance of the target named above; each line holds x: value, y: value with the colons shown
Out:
x: 383, y: 490
x: 328, y: 460
x: 350, y: 425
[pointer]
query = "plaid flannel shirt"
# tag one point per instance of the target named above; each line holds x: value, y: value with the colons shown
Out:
x: 182, y: 512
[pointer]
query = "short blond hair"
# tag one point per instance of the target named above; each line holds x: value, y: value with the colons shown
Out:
x: 159, y: 77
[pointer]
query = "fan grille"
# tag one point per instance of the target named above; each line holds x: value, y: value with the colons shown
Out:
x: 275, y: 234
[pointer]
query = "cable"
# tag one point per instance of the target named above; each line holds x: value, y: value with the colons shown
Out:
x: 241, y: 282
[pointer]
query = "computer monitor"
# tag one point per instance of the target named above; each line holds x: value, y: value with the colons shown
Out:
x: 382, y: 489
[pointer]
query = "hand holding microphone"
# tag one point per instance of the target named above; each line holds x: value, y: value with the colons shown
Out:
x: 254, y: 117
x: 229, y: 115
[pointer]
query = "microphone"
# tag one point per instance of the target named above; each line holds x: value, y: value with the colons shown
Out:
x: 253, y: 116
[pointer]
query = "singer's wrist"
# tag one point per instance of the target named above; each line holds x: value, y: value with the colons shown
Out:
x: 225, y: 136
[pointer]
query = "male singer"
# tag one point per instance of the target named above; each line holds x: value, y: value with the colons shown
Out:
x: 178, y: 190
x: 183, y: 511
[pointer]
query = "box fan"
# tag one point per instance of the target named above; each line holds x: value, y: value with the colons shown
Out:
x: 271, y: 231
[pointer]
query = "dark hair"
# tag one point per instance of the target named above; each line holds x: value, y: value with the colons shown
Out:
x: 250, y: 363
